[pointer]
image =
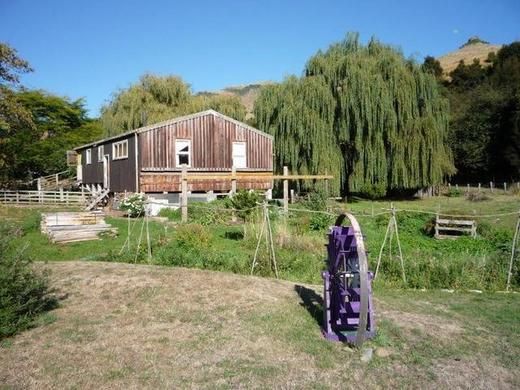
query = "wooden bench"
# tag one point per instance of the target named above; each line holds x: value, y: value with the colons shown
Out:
x: 445, y: 228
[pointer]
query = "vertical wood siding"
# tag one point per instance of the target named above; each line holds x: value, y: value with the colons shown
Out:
x: 211, y: 142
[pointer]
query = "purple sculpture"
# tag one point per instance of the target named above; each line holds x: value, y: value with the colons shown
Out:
x: 347, y: 293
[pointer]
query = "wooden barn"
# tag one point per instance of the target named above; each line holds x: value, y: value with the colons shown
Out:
x: 150, y: 159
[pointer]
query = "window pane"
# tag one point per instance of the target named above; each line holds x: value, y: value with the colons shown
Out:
x: 184, y: 159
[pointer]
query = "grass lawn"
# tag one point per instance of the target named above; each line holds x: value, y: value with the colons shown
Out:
x: 123, y: 325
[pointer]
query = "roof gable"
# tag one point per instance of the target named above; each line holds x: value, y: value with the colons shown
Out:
x: 173, y: 121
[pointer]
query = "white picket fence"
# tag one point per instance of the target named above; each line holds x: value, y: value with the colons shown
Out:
x: 43, y: 198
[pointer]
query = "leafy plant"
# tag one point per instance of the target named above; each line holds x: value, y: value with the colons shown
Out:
x: 24, y: 292
x: 244, y: 202
x: 133, y: 205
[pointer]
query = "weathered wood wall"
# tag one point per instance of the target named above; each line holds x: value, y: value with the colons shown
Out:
x: 171, y: 182
x: 211, y: 141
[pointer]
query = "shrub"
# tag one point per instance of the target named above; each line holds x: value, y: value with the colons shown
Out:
x: 24, y: 293
x: 373, y: 191
x: 244, y: 202
x: 453, y: 192
x: 192, y: 235
x: 476, y: 196
x: 320, y: 221
x: 316, y: 201
x: 134, y: 205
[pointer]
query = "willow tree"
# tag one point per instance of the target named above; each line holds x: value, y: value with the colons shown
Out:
x: 156, y: 98
x: 365, y: 114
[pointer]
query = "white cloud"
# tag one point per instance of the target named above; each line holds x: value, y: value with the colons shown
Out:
x: 455, y: 31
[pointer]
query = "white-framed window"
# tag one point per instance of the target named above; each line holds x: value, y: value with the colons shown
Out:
x: 239, y: 155
x: 120, y: 150
x: 88, y: 156
x: 183, y: 152
x: 100, y: 153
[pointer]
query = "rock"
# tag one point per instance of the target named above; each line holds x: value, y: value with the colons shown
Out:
x: 383, y: 352
x: 366, y: 355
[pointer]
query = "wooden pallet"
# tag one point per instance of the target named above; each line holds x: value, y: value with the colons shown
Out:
x: 450, y: 228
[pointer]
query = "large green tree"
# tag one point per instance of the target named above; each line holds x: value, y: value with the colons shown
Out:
x: 365, y: 114
x: 156, y: 98
x: 12, y: 112
x: 59, y: 124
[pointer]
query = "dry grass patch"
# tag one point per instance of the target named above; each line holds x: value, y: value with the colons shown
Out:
x: 135, y: 326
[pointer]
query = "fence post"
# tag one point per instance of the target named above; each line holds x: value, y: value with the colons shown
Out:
x: 468, y: 188
x: 233, y: 190
x: 285, y: 190
x: 491, y: 186
x: 17, y: 197
x: 57, y: 179
x: 62, y: 197
x: 478, y: 187
x: 292, y: 196
x: 184, y: 193
x: 505, y: 187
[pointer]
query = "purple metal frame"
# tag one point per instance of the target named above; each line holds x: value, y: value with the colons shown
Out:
x: 341, y: 292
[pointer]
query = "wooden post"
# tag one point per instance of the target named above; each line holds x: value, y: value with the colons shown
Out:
x: 62, y: 197
x: 233, y: 180
x: 505, y: 187
x: 468, y: 189
x: 478, y: 187
x: 491, y: 186
x: 292, y: 196
x: 57, y: 179
x: 285, y: 190
x: 184, y: 193
x: 233, y: 189
x: 17, y: 197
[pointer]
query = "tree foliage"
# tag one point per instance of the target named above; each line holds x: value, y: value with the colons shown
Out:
x: 485, y: 117
x: 58, y: 125
x: 364, y: 114
x: 156, y: 98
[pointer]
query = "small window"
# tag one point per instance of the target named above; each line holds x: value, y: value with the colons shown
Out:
x: 120, y: 150
x: 239, y: 155
x: 100, y: 153
x: 89, y: 156
x: 183, y: 152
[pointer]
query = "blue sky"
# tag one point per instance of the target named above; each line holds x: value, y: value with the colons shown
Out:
x: 92, y: 48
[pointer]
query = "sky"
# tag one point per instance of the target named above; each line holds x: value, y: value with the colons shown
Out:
x: 91, y: 49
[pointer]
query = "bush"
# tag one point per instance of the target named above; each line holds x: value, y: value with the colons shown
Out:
x: 476, y: 196
x: 244, y: 202
x: 24, y: 293
x: 316, y: 201
x: 320, y: 221
x: 373, y: 191
x: 134, y: 205
x: 192, y: 235
x: 453, y: 192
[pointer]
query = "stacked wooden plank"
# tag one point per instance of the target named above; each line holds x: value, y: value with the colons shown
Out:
x: 64, y: 227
